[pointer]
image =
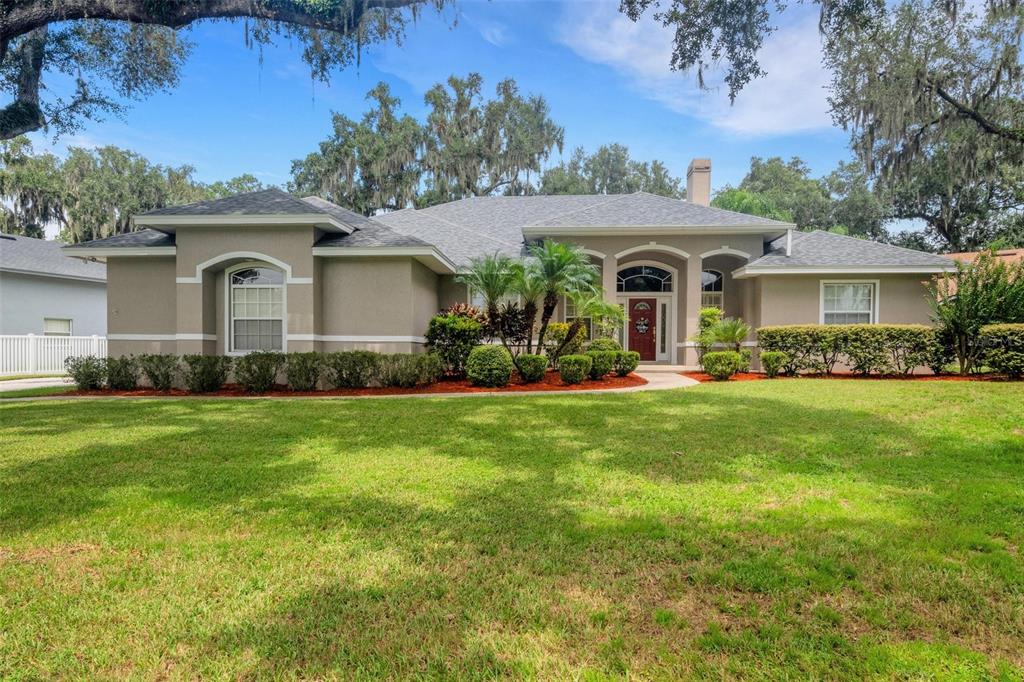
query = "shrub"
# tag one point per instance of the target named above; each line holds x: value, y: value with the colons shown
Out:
x: 452, y: 337
x: 604, y: 343
x: 87, y: 371
x: 256, y: 372
x: 865, y: 348
x: 772, y: 362
x: 721, y: 365
x: 1004, y: 348
x: 557, y: 331
x: 159, y: 370
x: 531, y: 367
x: 601, y: 363
x: 573, y: 368
x: 746, y: 357
x: 122, y: 373
x: 205, y: 373
x: 793, y: 340
x: 626, y: 361
x: 707, y: 320
x: 408, y: 370
x: 352, y: 368
x: 302, y: 370
x: 489, y: 366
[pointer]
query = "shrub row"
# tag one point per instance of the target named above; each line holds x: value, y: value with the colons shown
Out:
x: 1004, y: 348
x: 596, y: 364
x: 864, y: 348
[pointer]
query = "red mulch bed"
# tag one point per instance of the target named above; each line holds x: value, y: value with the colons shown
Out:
x: 756, y: 376
x: 550, y: 382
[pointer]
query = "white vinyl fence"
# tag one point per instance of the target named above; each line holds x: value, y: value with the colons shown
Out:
x: 32, y: 354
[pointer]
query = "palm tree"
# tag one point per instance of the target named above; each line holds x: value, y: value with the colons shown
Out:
x: 606, y: 316
x: 564, y: 269
x: 731, y: 332
x: 530, y: 286
x: 492, y: 276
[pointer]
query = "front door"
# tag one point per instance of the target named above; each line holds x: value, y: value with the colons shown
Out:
x: 641, y: 327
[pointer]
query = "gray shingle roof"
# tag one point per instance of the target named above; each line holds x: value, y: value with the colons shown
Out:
x: 271, y: 201
x: 824, y: 249
x: 357, y: 221
x: 374, y: 234
x: 643, y: 209
x: 139, y: 238
x: 24, y: 254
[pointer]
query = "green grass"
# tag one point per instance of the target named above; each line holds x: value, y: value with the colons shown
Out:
x: 762, y: 530
x: 35, y: 392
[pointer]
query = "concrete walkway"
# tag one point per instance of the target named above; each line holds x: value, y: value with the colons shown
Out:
x: 660, y: 379
x: 33, y: 382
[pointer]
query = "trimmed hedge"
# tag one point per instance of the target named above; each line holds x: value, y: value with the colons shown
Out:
x: 531, y: 367
x: 864, y: 348
x: 721, y: 365
x: 405, y: 370
x: 256, y: 372
x: 1004, y: 348
x: 206, y: 373
x: 160, y: 370
x: 601, y: 363
x: 626, y: 361
x: 604, y: 343
x: 351, y: 368
x: 87, y: 371
x: 772, y: 362
x: 573, y: 368
x: 489, y: 366
x: 302, y: 370
x: 122, y: 373
x: 453, y: 336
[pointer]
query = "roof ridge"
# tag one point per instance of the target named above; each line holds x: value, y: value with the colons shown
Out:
x: 615, y: 197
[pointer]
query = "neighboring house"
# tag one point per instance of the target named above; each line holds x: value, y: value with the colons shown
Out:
x: 1006, y: 255
x: 46, y: 292
x: 269, y: 270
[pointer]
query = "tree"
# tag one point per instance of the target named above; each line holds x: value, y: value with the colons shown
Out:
x: 530, y: 286
x: 238, y: 185
x: 789, y: 187
x: 855, y: 204
x: 564, y: 269
x: 29, y: 189
x: 751, y: 203
x: 609, y: 170
x: 492, y: 276
x: 128, y: 49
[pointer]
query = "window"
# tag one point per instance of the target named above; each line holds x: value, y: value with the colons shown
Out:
x: 257, y: 309
x: 848, y: 302
x: 476, y: 299
x: 711, y: 289
x: 644, y: 278
x: 570, y: 315
x: 53, y: 326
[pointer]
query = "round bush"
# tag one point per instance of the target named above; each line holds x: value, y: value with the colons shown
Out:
x: 626, y: 361
x: 87, y: 371
x: 489, y: 366
x: 122, y: 373
x: 453, y: 337
x: 302, y: 370
x: 531, y: 367
x: 772, y: 362
x: 604, y: 343
x: 256, y: 372
x: 573, y: 368
x: 159, y: 370
x: 602, y: 362
x: 721, y: 365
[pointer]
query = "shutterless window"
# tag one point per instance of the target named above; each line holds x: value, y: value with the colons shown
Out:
x: 257, y: 309
x: 53, y: 326
x: 571, y: 314
x: 644, y: 278
x: 848, y: 303
x: 711, y: 289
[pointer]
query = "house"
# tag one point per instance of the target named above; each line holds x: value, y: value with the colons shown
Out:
x: 45, y: 292
x: 270, y: 270
x: 1007, y: 256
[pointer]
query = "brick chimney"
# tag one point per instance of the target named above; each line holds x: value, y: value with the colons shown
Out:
x: 698, y: 182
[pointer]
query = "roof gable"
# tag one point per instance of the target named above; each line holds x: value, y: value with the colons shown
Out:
x: 824, y: 250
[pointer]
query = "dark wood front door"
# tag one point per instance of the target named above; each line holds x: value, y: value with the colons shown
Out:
x: 642, y: 328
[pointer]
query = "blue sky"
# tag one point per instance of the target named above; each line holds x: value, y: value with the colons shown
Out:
x: 605, y: 78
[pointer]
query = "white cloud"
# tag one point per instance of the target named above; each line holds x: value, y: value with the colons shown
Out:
x: 493, y: 32
x: 791, y: 98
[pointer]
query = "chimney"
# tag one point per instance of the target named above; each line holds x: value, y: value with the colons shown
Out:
x: 698, y: 182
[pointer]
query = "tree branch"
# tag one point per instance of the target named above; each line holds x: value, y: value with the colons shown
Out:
x: 24, y: 114
x: 990, y: 127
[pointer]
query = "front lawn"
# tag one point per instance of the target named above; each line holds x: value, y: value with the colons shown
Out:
x: 830, y: 529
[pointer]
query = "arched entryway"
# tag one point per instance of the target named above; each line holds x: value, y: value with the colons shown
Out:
x: 647, y: 291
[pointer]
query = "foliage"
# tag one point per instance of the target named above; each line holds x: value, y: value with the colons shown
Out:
x: 531, y: 367
x: 986, y: 291
x: 452, y: 337
x: 558, y: 338
x: 707, y: 320
x: 626, y: 361
x: 609, y: 170
x: 465, y: 310
x: 529, y: 285
x: 351, y: 369
x: 606, y: 317
x: 29, y: 189
x: 721, y: 365
x: 489, y: 366
x: 256, y: 372
x: 491, y: 276
x: 573, y: 369
x: 408, y: 370
x: 122, y: 373
x: 564, y: 270
x: 856, y: 206
x: 160, y: 370
x: 514, y: 325
x: 601, y: 363
x: 87, y: 371
x: 604, y: 344
x: 1004, y: 348
x: 751, y: 203
x: 205, y: 373
x: 731, y: 332
x: 772, y: 362
x: 302, y: 370
x: 790, y: 189
x: 864, y: 348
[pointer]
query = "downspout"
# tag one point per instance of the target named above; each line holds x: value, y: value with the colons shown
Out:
x: 789, y: 242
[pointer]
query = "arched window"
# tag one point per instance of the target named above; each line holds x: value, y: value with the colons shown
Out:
x: 711, y: 292
x: 256, y: 309
x: 644, y: 278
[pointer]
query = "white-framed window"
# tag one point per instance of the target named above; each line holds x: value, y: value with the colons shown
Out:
x: 644, y: 278
x: 712, y: 289
x: 849, y: 302
x: 571, y: 315
x: 256, y: 311
x: 55, y: 326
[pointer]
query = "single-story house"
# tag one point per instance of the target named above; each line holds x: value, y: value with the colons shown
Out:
x: 43, y: 291
x: 271, y: 270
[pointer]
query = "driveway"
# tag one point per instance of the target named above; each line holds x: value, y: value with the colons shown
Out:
x: 36, y: 382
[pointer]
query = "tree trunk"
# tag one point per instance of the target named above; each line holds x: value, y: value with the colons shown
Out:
x: 550, y: 302
x: 574, y: 329
x: 530, y: 310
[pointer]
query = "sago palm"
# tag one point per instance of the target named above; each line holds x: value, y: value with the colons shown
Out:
x: 564, y: 269
x: 492, y: 277
x: 530, y: 286
x: 731, y: 331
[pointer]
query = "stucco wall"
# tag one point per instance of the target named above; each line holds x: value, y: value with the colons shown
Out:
x: 141, y: 300
x: 25, y: 300
x: 450, y: 292
x: 795, y: 299
x: 376, y: 297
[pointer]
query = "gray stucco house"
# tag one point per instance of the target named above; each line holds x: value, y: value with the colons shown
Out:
x: 43, y: 291
x: 270, y: 270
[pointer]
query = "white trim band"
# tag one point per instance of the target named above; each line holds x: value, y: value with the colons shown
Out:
x: 356, y: 338
x: 653, y: 246
x: 694, y: 344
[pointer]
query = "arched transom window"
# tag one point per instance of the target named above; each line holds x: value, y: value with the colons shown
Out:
x: 644, y: 278
x: 711, y: 289
x: 257, y: 309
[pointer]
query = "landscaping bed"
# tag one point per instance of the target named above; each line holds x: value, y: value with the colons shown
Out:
x: 758, y: 376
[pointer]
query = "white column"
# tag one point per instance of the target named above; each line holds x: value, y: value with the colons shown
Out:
x: 609, y: 270
x: 692, y: 312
